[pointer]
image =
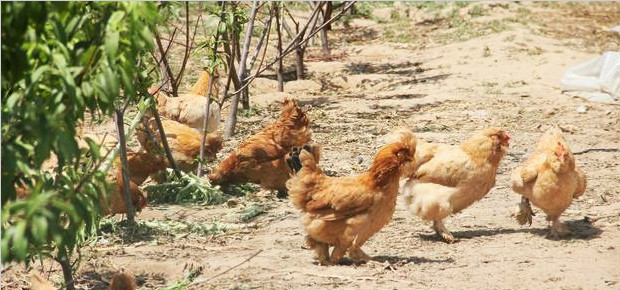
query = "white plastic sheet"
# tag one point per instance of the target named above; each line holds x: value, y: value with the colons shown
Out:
x: 597, y: 80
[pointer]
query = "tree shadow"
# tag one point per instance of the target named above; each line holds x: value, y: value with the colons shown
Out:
x: 407, y: 260
x: 581, y: 229
x: 394, y: 260
x: 353, y: 34
x: 427, y: 79
x: 318, y: 102
x: 401, y: 68
x: 403, y: 96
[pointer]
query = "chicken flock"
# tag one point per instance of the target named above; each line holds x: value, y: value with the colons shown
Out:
x: 342, y: 213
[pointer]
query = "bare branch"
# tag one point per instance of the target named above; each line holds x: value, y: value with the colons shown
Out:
x: 290, y: 47
x: 209, y: 92
x: 188, y: 43
x: 167, y: 71
x: 279, y: 70
x: 264, y: 35
x: 124, y: 168
x: 164, y: 142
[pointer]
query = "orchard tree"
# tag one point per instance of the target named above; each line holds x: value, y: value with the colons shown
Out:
x: 59, y: 61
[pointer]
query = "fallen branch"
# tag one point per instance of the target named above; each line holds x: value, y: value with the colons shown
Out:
x: 596, y: 150
x: 227, y: 270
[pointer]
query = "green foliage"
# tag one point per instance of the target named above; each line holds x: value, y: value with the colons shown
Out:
x: 193, y: 273
x: 188, y: 188
x: 251, y: 112
x: 142, y: 229
x: 60, y: 60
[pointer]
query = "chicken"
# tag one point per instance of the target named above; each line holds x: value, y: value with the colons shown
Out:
x: 261, y: 159
x: 184, y: 142
x: 141, y: 166
x: 454, y: 177
x: 122, y: 281
x: 116, y: 197
x: 201, y: 86
x: 189, y: 110
x: 39, y: 283
x: 344, y: 212
x: 550, y: 180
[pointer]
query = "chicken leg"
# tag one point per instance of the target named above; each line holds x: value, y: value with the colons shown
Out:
x: 525, y: 213
x: 322, y: 253
x: 337, y: 254
x: 441, y: 230
x: 356, y: 253
x: 558, y: 229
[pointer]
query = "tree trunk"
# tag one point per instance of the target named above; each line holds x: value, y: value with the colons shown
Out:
x: 120, y: 126
x: 328, y: 14
x: 67, y: 272
x: 324, y: 40
x: 279, y: 72
x: 244, y: 55
x: 205, y: 120
x: 299, y: 56
x: 167, y: 77
x: 232, y: 73
x: 164, y: 142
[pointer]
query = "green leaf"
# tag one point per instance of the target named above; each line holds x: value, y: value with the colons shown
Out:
x: 111, y: 44
x: 5, y: 247
x: 66, y: 145
x: 94, y: 148
x: 34, y: 78
x: 20, y: 243
x: 12, y: 100
x: 39, y: 229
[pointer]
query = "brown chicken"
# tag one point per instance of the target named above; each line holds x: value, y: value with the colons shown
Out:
x: 201, y: 86
x: 454, y: 177
x: 189, y: 110
x: 550, y: 180
x: 184, y: 142
x: 141, y: 166
x: 116, y: 201
x: 261, y: 159
x: 345, y: 212
x: 39, y: 283
x: 122, y: 281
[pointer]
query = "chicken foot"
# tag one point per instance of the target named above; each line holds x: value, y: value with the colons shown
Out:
x: 358, y: 255
x: 355, y: 251
x: 441, y: 230
x: 525, y: 213
x: 322, y: 253
x: 337, y: 254
x: 558, y: 229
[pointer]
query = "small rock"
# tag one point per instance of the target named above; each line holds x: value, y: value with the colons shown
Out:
x: 568, y: 129
x: 549, y: 112
x: 232, y: 202
x: 582, y: 109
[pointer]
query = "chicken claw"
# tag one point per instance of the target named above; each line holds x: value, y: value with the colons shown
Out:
x: 441, y: 230
x: 322, y: 253
x: 359, y: 256
x: 525, y: 213
x: 558, y: 229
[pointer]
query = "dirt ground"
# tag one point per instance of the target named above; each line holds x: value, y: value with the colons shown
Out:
x: 446, y: 83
